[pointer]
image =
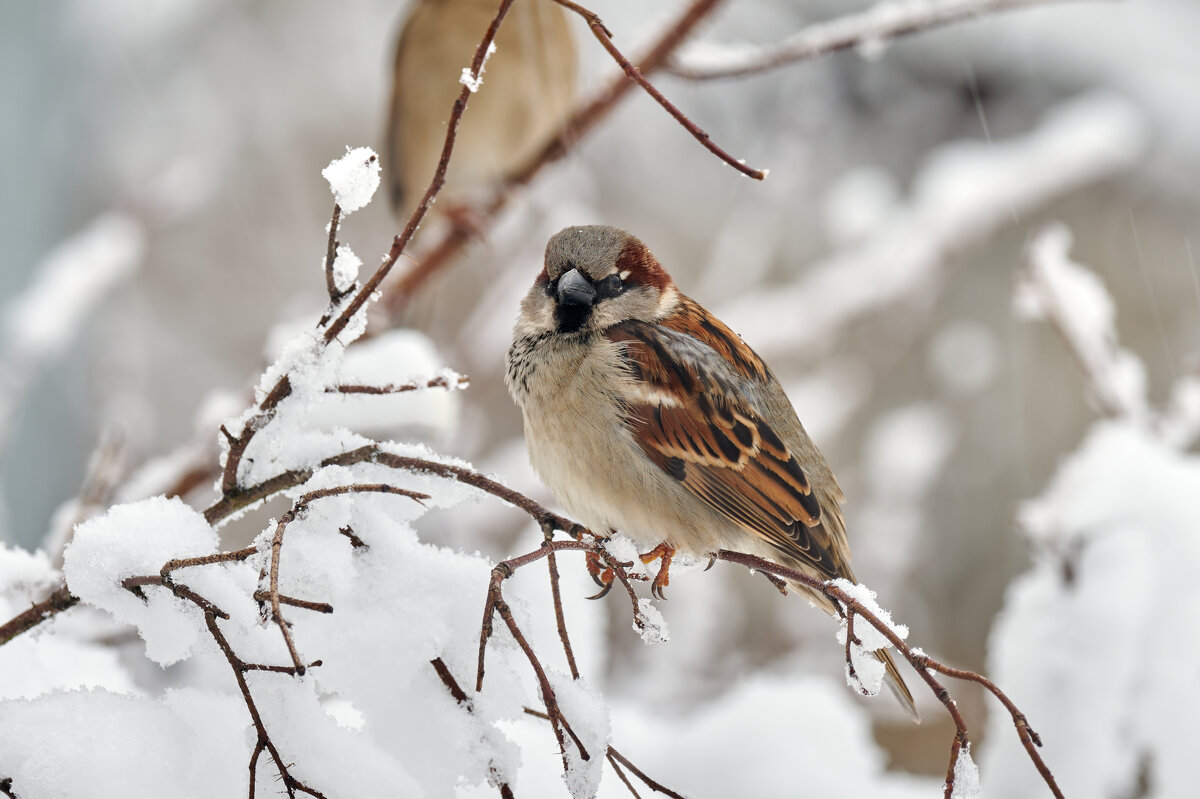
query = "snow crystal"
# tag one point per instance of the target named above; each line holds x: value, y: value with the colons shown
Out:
x: 468, y: 79
x: 353, y: 178
x: 135, y: 540
x: 587, y: 713
x: 966, y: 776
x: 871, y: 638
x: 868, y: 670
x: 23, y: 571
x: 345, y: 268
x: 650, y: 624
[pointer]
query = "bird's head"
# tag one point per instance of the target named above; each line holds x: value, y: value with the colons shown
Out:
x: 597, y: 276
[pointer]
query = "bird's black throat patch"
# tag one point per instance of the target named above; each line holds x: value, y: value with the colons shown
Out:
x: 571, y: 317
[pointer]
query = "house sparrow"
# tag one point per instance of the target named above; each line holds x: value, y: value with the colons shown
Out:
x: 528, y: 90
x: 645, y: 414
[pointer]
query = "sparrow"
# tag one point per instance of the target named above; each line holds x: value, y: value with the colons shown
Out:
x: 527, y: 92
x: 646, y: 414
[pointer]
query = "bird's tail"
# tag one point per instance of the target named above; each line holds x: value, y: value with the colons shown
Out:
x: 896, y: 684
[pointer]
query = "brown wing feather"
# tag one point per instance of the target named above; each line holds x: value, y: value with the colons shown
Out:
x: 690, y: 419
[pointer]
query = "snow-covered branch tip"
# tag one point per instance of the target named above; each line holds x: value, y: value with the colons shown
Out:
x: 858, y: 602
x: 867, y: 31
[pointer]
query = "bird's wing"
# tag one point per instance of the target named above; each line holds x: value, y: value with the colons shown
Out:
x: 688, y: 408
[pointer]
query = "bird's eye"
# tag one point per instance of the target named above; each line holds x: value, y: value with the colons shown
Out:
x: 610, y: 286
x: 550, y: 288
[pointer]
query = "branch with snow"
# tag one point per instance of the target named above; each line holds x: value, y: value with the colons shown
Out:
x: 867, y: 31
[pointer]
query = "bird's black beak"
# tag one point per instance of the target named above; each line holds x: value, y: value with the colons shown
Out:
x: 575, y: 289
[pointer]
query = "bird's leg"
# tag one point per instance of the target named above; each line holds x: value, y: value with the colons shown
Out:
x: 664, y: 551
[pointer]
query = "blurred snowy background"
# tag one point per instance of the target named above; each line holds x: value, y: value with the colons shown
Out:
x: 164, y: 167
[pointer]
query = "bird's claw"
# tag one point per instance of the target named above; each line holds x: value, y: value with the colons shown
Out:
x: 602, y: 575
x: 664, y: 552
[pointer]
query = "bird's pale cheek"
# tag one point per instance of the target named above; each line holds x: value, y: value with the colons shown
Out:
x: 569, y: 318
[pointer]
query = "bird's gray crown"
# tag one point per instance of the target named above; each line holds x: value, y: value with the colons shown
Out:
x: 592, y: 249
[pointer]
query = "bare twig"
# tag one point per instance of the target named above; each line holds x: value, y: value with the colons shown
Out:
x: 888, y: 20
x: 59, y: 600
x: 556, y: 596
x: 603, y: 35
x: 335, y: 294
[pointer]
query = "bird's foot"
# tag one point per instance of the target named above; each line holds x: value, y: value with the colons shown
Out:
x: 665, y: 552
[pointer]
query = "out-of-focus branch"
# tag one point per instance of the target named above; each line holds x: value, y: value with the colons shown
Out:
x: 870, y: 28
x: 38, y: 325
x: 964, y: 195
x: 1071, y: 299
x: 1075, y: 304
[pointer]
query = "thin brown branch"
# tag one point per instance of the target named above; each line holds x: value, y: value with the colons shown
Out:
x: 205, y: 560
x: 869, y: 28
x: 448, y: 680
x: 59, y: 600
x: 316, y: 607
x: 335, y: 294
x: 135, y: 584
x: 557, y: 720
x: 556, y: 597
x: 603, y: 35
x: 239, y: 667
x: 653, y: 785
